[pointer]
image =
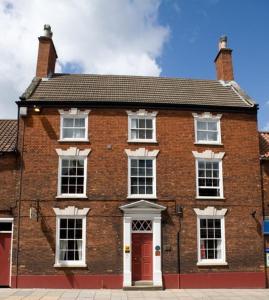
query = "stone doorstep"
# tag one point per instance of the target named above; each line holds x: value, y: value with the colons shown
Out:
x: 143, y: 285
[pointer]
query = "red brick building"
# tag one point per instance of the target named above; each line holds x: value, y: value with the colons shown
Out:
x: 128, y: 180
x: 8, y: 175
x: 264, y: 156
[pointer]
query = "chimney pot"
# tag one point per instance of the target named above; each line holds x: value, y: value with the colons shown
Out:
x: 223, y: 42
x: 47, y: 31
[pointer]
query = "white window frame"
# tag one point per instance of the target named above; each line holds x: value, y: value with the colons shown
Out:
x: 210, y: 156
x: 74, y: 113
x: 211, y: 213
x: 142, y: 153
x: 72, y: 153
x: 207, y: 117
x: 142, y: 114
x: 70, y: 212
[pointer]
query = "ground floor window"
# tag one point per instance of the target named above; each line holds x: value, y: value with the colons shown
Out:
x: 211, y: 236
x: 210, y: 239
x: 71, y: 241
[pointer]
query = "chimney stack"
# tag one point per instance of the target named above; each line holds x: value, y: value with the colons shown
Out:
x: 223, y: 61
x: 47, y: 55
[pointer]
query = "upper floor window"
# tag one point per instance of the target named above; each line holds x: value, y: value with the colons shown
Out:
x: 211, y: 236
x: 142, y: 126
x: 207, y: 128
x: 74, y: 125
x: 70, y: 237
x: 142, y: 173
x: 72, y: 174
x: 209, y: 182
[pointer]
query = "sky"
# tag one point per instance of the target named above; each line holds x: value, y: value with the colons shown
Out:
x: 171, y: 38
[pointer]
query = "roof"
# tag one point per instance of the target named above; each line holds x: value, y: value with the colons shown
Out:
x: 8, y: 135
x: 264, y: 145
x: 136, y: 89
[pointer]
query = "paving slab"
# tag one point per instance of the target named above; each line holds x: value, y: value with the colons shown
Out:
x: 174, y: 294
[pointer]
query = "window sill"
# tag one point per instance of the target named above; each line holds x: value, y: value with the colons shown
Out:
x: 210, y: 198
x: 204, y: 143
x: 69, y: 265
x: 142, y: 197
x: 71, y: 197
x: 73, y: 140
x: 143, y: 141
x: 201, y: 264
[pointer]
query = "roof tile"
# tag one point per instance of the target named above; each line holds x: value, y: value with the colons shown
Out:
x: 8, y: 135
x: 139, y: 89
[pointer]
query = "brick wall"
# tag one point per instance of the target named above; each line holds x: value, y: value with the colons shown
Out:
x: 265, y: 175
x: 8, y: 169
x: 107, y: 190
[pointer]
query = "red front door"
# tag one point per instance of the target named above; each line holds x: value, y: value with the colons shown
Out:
x: 5, y: 242
x: 141, y: 256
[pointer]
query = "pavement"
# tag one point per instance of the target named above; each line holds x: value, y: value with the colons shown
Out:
x: 182, y: 294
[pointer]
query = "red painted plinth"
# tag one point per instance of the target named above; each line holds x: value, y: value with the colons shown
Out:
x: 184, y: 281
x: 68, y: 281
x: 214, y: 280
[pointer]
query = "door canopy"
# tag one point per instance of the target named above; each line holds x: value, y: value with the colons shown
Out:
x: 142, y: 206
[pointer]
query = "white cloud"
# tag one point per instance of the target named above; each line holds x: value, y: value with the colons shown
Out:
x: 105, y: 37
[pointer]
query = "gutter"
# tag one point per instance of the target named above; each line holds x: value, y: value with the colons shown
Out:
x: 110, y: 104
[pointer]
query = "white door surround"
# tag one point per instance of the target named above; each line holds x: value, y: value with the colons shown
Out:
x: 142, y: 210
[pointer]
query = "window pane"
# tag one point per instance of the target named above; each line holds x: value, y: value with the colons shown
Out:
x: 64, y: 189
x: 203, y: 233
x: 134, y: 123
x: 63, y: 223
x: 149, y: 172
x: 209, y: 192
x: 65, y: 162
x: 80, y: 189
x: 63, y: 234
x: 142, y: 163
x: 134, y: 190
x: 133, y: 163
x: 134, y: 171
x: 201, y: 125
x: 142, y: 134
x: 68, y: 122
x: 134, y: 134
x: 142, y: 190
x: 203, y: 223
x: 134, y: 181
x: 72, y: 189
x: 217, y: 223
x: 212, y: 125
x: 201, y: 165
x: 78, y: 223
x: 215, y: 165
x: 71, y: 223
x: 142, y: 123
x: 212, y: 136
x: 71, y: 234
x: 79, y: 133
x: 149, y: 134
x: 149, y: 123
x: 201, y: 136
x: 142, y: 181
x: 67, y: 133
x: 149, y: 190
x: 149, y: 163
x: 79, y: 122
x: 80, y: 180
